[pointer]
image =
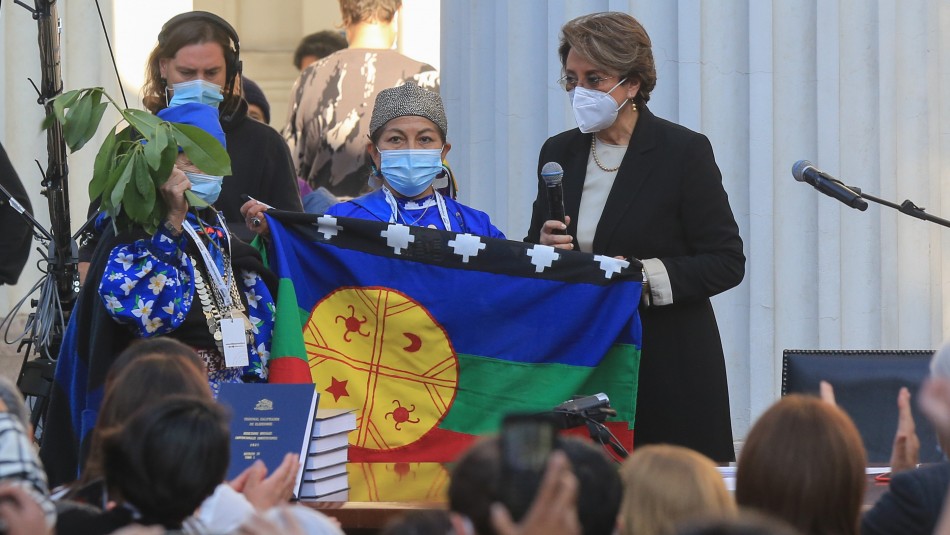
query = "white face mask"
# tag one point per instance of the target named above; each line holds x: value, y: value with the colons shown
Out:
x: 594, y: 110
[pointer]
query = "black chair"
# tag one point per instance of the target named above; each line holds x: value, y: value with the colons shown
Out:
x: 866, y: 384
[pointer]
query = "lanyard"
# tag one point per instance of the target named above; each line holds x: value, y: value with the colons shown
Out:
x: 439, y: 202
x: 213, y: 270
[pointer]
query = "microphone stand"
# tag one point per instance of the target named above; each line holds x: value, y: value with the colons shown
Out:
x: 60, y: 284
x: 907, y: 207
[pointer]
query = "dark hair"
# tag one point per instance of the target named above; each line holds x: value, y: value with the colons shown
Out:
x: 319, y: 45
x: 193, y: 28
x: 168, y: 458
x: 476, y: 479
x: 143, y: 347
x: 253, y: 94
x: 615, y: 42
x: 803, y: 462
x: 356, y: 11
x: 146, y: 372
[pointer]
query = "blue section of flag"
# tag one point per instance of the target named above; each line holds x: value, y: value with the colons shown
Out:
x: 490, y: 313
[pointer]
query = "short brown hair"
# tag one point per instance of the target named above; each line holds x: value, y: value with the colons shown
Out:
x: 665, y: 485
x: 803, y: 462
x: 615, y: 42
x: 356, y: 11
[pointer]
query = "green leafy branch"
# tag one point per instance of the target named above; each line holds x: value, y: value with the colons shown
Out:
x: 127, y: 174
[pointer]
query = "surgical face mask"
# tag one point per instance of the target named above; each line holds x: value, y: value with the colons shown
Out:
x: 201, y: 91
x: 594, y: 110
x: 410, y: 171
x: 206, y: 187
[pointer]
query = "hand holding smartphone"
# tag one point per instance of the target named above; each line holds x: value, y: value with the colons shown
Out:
x: 526, y: 442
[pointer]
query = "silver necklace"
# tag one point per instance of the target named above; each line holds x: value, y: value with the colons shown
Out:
x: 403, y: 213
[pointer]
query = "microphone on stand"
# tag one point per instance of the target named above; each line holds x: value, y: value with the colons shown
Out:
x: 592, y: 412
x: 805, y: 171
x: 576, y: 412
x: 552, y: 173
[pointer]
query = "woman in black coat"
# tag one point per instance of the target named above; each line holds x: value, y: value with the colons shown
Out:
x: 638, y: 186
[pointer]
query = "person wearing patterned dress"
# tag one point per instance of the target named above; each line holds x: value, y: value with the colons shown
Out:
x: 407, y: 146
x: 184, y: 272
x: 190, y: 280
x: 327, y: 123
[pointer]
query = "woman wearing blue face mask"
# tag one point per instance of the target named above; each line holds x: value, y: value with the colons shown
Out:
x: 190, y: 279
x: 407, y: 145
x: 638, y: 186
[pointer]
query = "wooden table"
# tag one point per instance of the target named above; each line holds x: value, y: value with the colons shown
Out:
x: 380, y: 492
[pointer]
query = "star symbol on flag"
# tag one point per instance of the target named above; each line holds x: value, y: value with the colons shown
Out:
x: 337, y: 388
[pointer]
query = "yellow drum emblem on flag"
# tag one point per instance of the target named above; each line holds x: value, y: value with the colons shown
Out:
x: 379, y: 351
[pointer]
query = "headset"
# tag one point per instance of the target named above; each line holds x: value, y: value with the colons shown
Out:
x: 233, y: 64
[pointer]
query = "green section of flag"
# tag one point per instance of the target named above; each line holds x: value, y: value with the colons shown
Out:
x: 490, y: 388
x: 258, y: 243
x: 288, y: 335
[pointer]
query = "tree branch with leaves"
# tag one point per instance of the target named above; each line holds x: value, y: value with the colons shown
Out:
x: 133, y: 162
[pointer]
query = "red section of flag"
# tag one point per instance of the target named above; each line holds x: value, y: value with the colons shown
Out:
x: 437, y: 446
x: 289, y: 370
x: 441, y: 446
x: 619, y: 430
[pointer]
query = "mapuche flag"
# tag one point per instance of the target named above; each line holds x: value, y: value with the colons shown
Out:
x: 434, y: 336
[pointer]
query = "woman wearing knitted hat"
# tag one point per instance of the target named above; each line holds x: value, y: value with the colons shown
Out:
x: 407, y: 144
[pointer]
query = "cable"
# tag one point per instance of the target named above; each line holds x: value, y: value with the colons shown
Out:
x: 616, y: 451
x: 115, y: 66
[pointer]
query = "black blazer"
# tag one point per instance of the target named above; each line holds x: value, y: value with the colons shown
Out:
x: 912, y: 503
x: 667, y: 202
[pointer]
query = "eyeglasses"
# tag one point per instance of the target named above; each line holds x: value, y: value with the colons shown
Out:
x: 569, y: 82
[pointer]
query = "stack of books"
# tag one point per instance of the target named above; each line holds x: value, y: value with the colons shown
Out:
x: 324, y: 475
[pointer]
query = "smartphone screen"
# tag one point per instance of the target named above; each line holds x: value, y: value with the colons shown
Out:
x: 526, y: 442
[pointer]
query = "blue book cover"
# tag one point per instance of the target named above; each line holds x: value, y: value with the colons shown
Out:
x: 269, y: 421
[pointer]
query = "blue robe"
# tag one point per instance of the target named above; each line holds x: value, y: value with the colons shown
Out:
x: 419, y: 212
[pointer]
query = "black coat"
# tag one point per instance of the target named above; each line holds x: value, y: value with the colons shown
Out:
x: 17, y: 231
x: 261, y: 167
x: 667, y: 202
x: 912, y: 503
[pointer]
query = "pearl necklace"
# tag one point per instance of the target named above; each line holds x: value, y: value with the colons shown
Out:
x: 593, y: 150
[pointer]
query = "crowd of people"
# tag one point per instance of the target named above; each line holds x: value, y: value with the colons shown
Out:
x: 134, y: 436
x: 158, y: 456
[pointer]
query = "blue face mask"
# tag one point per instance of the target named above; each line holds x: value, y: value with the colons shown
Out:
x: 206, y: 187
x: 201, y: 91
x: 410, y: 171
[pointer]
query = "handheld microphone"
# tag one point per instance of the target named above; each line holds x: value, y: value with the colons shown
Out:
x: 804, y: 171
x: 552, y: 173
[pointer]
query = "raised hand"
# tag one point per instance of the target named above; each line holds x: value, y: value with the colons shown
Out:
x: 905, y: 455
